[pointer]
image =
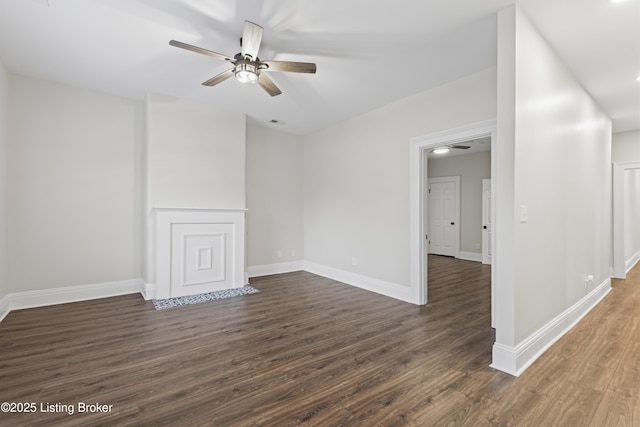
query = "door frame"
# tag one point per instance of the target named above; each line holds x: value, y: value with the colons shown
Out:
x: 417, y: 172
x: 619, y: 168
x: 456, y: 181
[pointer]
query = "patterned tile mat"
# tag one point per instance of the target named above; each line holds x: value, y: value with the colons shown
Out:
x: 161, y: 304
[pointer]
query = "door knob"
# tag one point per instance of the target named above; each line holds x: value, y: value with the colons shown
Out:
x: 453, y: 223
x: 484, y: 226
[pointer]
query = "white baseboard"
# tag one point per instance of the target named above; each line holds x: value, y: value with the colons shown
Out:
x: 631, y: 262
x: 279, y: 268
x: 148, y: 290
x: 514, y: 360
x: 382, y: 287
x: 5, y: 306
x: 470, y: 256
x: 378, y: 286
x: 30, y: 299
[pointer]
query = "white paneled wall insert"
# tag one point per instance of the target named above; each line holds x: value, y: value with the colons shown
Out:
x: 199, y: 250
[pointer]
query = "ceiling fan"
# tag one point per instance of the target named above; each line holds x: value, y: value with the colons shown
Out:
x: 446, y: 148
x: 247, y: 67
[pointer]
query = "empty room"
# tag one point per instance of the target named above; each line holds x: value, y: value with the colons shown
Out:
x: 282, y: 213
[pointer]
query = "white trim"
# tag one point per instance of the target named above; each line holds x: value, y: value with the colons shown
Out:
x: 5, y: 306
x: 67, y: 294
x: 470, y: 256
x: 148, y: 290
x: 619, y: 263
x: 514, y: 360
x: 417, y: 145
x: 632, y: 261
x: 205, y: 210
x: 417, y: 250
x: 393, y: 290
x: 277, y: 268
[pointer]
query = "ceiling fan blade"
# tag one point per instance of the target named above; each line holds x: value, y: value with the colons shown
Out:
x: 251, y: 38
x: 219, y: 78
x: 197, y: 49
x: 461, y: 147
x: 291, y: 67
x: 267, y: 84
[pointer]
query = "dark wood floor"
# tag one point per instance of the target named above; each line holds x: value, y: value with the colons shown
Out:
x: 308, y: 350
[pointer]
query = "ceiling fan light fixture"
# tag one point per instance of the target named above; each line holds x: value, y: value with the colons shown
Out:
x: 246, y: 72
x: 441, y: 150
x: 247, y: 67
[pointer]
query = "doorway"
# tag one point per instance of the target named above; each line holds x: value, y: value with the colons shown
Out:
x: 419, y: 205
x: 621, y: 262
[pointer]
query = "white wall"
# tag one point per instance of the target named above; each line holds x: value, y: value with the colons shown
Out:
x: 625, y: 146
x: 356, y: 174
x: 71, y: 186
x: 274, y: 196
x: 195, y: 154
x: 472, y: 169
x: 554, y: 152
x: 4, y: 123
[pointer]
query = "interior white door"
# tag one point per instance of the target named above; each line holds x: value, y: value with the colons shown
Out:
x: 443, y: 226
x: 486, y: 221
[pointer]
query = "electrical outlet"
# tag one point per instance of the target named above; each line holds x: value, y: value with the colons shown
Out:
x: 279, y: 254
x: 354, y: 261
x: 293, y: 252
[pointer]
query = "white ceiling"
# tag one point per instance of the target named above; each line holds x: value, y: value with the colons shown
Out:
x: 368, y: 53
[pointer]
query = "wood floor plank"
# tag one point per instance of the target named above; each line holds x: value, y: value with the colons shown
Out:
x: 308, y: 350
x: 616, y: 410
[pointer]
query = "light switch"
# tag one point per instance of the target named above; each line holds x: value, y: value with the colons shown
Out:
x: 524, y: 215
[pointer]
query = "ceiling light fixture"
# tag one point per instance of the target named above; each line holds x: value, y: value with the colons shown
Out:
x: 246, y: 72
x: 617, y: 1
x: 441, y: 150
